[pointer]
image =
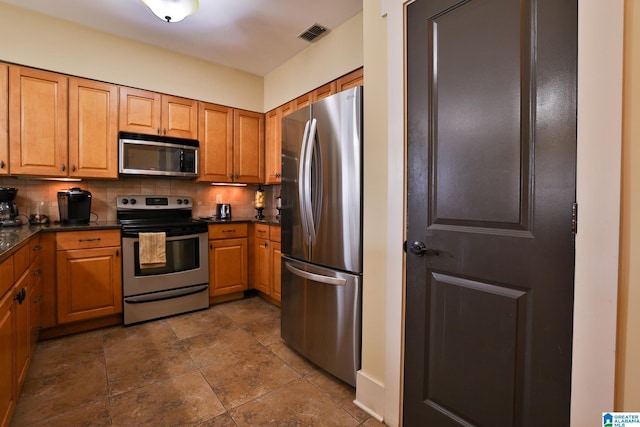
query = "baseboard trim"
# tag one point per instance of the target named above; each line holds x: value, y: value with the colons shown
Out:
x: 369, y: 396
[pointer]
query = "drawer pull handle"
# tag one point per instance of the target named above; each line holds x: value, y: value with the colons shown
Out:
x: 93, y: 239
x: 37, y: 272
x: 37, y: 248
x: 229, y: 231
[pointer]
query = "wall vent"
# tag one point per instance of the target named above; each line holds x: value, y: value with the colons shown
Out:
x: 312, y: 33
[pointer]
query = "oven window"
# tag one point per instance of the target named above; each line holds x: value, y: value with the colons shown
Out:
x: 182, y: 255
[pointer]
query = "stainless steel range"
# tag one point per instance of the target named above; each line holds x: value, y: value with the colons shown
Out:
x: 179, y: 283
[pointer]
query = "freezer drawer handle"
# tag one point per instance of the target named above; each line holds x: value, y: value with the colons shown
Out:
x: 316, y: 277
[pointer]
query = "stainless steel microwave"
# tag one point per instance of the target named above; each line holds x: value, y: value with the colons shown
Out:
x: 140, y: 154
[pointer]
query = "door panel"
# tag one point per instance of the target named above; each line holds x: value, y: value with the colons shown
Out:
x: 491, y: 91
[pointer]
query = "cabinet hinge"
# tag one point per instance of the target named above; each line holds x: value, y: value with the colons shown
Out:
x: 574, y: 218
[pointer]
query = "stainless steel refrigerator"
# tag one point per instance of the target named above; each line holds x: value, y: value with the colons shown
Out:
x: 322, y: 232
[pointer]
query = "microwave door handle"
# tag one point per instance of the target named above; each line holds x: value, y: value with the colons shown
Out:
x: 302, y: 182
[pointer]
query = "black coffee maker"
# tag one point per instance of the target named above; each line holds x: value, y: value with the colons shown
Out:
x: 74, y: 206
x: 8, y: 209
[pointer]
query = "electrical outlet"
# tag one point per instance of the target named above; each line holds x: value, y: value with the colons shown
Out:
x: 218, y: 198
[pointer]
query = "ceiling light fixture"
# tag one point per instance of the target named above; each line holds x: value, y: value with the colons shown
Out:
x: 172, y: 10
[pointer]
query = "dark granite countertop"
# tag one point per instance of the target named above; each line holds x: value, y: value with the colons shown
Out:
x: 267, y: 220
x: 13, y: 238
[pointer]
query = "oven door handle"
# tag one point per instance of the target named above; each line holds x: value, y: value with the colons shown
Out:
x: 165, y: 295
x: 168, y: 238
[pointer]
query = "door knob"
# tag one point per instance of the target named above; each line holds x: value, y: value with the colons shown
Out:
x: 420, y: 249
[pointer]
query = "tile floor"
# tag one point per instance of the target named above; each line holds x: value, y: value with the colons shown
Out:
x: 225, y: 366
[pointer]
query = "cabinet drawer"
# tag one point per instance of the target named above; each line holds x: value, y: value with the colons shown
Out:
x: 227, y: 231
x: 35, y: 248
x: 6, y: 275
x: 20, y: 262
x: 275, y: 231
x: 87, y: 239
x: 262, y: 231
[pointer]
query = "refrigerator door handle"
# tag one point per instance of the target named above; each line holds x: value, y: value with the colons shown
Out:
x: 302, y: 182
x: 311, y: 143
x: 336, y: 281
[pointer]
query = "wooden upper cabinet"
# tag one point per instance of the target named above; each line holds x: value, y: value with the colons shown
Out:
x: 143, y: 111
x: 93, y: 129
x: 179, y: 117
x: 302, y: 101
x: 273, y: 142
x: 216, y: 143
x: 4, y: 119
x: 140, y: 111
x: 353, y: 79
x: 248, y: 146
x: 323, y: 91
x: 273, y: 146
x: 37, y: 122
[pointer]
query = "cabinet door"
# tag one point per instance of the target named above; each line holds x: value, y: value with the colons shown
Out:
x: 323, y: 91
x: 263, y: 266
x: 4, y: 119
x: 7, y: 350
x: 248, y: 147
x: 140, y: 111
x: 35, y: 301
x: 89, y: 283
x: 93, y: 129
x: 273, y: 142
x: 23, y: 337
x: 37, y: 122
x: 272, y: 146
x: 48, y: 307
x: 179, y: 117
x: 302, y: 101
x: 227, y: 266
x: 353, y: 79
x: 216, y: 143
x: 276, y: 270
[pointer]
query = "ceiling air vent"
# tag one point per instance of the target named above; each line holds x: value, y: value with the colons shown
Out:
x: 312, y: 33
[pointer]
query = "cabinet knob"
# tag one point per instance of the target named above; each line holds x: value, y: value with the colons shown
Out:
x: 64, y: 168
x: 158, y: 131
x: 2, y: 164
x: 164, y: 131
x: 73, y: 168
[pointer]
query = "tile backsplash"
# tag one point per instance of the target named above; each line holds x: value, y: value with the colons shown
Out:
x: 39, y: 196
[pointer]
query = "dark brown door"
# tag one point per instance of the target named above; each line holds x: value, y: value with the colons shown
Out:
x: 491, y: 89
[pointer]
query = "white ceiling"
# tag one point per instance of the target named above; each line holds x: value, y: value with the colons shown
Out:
x: 251, y: 35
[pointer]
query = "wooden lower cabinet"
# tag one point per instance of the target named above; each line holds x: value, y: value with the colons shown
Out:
x: 7, y: 352
x: 89, y: 275
x: 262, y: 260
x: 276, y: 270
x: 228, y: 253
x: 267, y: 255
x: 23, y: 336
x: 16, y: 345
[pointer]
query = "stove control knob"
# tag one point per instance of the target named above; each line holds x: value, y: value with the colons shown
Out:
x: 186, y: 201
x: 125, y: 201
x: 133, y: 201
x: 179, y: 201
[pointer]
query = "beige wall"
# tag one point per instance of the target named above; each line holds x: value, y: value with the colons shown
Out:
x: 628, y: 351
x: 337, y: 53
x: 39, y: 41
